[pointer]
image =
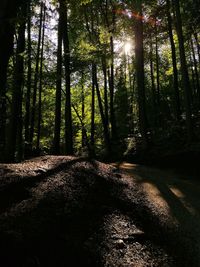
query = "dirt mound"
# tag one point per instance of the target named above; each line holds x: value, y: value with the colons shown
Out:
x: 67, y: 211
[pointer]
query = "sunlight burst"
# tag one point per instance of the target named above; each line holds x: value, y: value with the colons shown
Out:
x: 127, y: 48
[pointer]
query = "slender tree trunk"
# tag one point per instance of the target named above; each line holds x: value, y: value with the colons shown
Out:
x: 40, y: 84
x: 139, y: 64
x: 35, y: 86
x: 57, y: 128
x: 16, y: 109
x: 105, y: 128
x: 8, y: 11
x: 174, y: 62
x: 196, y: 72
x: 184, y: 70
x: 157, y: 70
x: 198, y: 46
x: 153, y: 87
x: 194, y: 92
x: 130, y: 98
x: 84, y: 137
x: 68, y: 114
x: 112, y: 110
x: 93, y: 114
x: 132, y: 111
x: 29, y: 76
x: 104, y: 67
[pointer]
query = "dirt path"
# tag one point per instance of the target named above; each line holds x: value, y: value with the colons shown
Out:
x: 67, y: 211
x: 174, y: 199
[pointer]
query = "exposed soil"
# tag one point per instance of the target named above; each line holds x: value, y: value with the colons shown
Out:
x: 67, y: 211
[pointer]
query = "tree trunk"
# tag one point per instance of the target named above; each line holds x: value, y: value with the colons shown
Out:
x: 111, y: 85
x: 35, y: 86
x: 105, y: 128
x: 40, y: 85
x: 68, y: 115
x: 139, y: 65
x: 157, y: 72
x: 57, y: 128
x: 16, y: 109
x: 196, y: 72
x: 8, y: 12
x: 174, y: 61
x: 104, y: 68
x: 93, y: 115
x: 184, y: 70
x: 194, y: 93
x: 198, y: 46
x: 84, y: 137
x: 28, y: 83
x: 153, y: 87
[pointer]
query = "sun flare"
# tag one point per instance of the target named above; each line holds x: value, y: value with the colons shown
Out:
x: 127, y: 48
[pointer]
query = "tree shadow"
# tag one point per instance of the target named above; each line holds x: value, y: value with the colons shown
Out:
x: 57, y: 231
x: 182, y: 238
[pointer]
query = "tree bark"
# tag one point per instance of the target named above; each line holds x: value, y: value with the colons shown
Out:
x: 103, y: 119
x: 84, y: 137
x: 174, y: 62
x: 139, y: 65
x: 68, y: 114
x: 28, y: 84
x: 111, y: 83
x: 93, y: 114
x: 157, y: 72
x: 36, y: 76
x: 8, y: 12
x: 184, y: 71
x: 196, y: 72
x: 57, y: 128
x: 15, y: 134
x: 104, y: 68
x: 40, y: 84
x: 153, y: 87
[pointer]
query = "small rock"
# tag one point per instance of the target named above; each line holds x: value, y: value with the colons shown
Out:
x: 40, y: 170
x: 120, y: 244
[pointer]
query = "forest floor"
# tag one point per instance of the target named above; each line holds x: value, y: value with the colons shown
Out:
x: 67, y: 211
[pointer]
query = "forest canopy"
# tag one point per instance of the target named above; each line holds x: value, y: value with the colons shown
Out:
x: 100, y: 78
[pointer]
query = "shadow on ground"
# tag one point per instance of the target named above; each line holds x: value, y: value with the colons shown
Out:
x: 84, y: 213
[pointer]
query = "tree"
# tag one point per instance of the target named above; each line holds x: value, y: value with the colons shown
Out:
x: 56, y: 145
x: 68, y: 115
x: 15, y: 133
x: 184, y: 70
x: 40, y: 82
x: 28, y: 82
x: 8, y: 13
x: 174, y: 61
x: 139, y: 65
x: 36, y: 78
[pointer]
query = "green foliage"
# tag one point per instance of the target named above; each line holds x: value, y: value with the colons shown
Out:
x: 91, y: 24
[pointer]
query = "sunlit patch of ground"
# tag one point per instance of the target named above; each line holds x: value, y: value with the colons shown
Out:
x: 173, y: 198
x: 186, y: 190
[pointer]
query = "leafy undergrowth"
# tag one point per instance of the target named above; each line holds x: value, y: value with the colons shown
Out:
x: 67, y: 211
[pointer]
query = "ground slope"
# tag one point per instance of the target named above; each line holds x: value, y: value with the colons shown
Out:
x: 67, y: 211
